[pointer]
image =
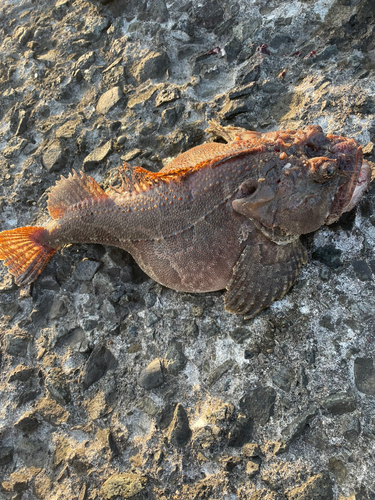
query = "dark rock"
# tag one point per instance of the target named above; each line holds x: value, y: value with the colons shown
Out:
x: 108, y: 100
x: 179, y: 432
x: 364, y: 375
x: 58, y: 308
x: 234, y: 108
x: 86, y: 270
x: 318, y: 487
x: 242, y: 91
x: 249, y: 73
x: 21, y: 373
x: 6, y: 455
x: 27, y: 423
x: 85, y: 61
x: 153, y: 65
x: 57, y: 386
x: 100, y: 361
x: 232, y: 49
x: 362, y: 270
x: 152, y: 376
x: 328, y: 255
x: 350, y: 428
x: 164, y: 417
x: 98, y: 155
x: 340, y: 403
x: 259, y: 404
x: 16, y: 344
x: 240, y: 334
x: 54, y: 157
x: 241, y: 431
x: 151, y: 318
x: 297, y: 426
x: 191, y: 329
x: 170, y: 116
x: 208, y: 14
x: 175, y: 359
x: 219, y: 372
x: 283, y: 377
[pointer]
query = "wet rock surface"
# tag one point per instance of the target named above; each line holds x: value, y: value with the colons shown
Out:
x: 112, y: 386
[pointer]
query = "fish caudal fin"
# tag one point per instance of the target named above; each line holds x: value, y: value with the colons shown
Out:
x: 25, y: 253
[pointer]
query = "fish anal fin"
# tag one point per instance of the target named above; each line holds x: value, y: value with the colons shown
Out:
x: 72, y: 190
x: 264, y: 273
x: 25, y: 252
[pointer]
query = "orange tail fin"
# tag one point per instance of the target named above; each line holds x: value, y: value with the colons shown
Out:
x: 25, y: 253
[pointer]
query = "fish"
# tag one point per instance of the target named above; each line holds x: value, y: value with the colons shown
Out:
x: 222, y: 215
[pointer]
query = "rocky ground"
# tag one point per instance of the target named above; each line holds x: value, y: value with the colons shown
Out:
x: 112, y: 386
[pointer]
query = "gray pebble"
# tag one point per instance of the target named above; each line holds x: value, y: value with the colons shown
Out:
x: 152, y: 375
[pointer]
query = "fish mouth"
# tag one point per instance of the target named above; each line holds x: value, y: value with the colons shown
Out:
x: 355, y: 176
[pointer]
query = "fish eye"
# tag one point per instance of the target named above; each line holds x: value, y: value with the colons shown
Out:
x: 323, y: 169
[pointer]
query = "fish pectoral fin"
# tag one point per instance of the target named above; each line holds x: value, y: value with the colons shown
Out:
x: 264, y: 273
x: 72, y: 190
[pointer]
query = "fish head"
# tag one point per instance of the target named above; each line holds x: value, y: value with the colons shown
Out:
x: 306, y: 179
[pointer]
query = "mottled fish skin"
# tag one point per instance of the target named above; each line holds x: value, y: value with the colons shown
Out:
x: 218, y: 216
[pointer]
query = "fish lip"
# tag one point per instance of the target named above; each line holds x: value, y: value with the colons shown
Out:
x: 357, y: 174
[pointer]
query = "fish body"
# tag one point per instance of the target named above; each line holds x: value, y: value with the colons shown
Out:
x: 218, y: 216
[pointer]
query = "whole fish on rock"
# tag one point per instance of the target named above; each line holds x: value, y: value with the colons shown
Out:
x: 217, y: 216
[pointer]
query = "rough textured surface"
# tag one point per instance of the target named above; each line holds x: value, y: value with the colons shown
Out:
x: 312, y: 354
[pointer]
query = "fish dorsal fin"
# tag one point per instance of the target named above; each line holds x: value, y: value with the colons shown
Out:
x: 139, y: 179
x: 72, y: 190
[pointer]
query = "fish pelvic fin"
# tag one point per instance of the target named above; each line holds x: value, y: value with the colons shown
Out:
x: 71, y: 191
x: 25, y: 253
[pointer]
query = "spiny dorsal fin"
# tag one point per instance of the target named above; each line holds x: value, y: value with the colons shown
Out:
x: 70, y: 191
x: 139, y: 179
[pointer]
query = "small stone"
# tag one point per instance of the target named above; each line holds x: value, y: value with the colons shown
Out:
x: 53, y: 158
x: 242, y: 91
x: 241, y: 431
x: 328, y: 255
x: 86, y: 270
x: 232, y: 49
x: 340, y: 403
x: 21, y: 373
x: 57, y: 386
x: 100, y: 361
x: 94, y: 26
x: 219, y: 372
x: 121, y: 140
x: 27, y: 423
x: 297, y: 426
x: 239, y: 335
x: 85, y: 61
x: 179, y: 432
x: 124, y: 485
x: 350, y: 428
x: 68, y: 130
x: 175, y: 359
x: 16, y: 344
x: 208, y: 14
x: 362, y: 270
x: 151, y: 318
x: 259, y: 404
x: 97, y: 156
x: 152, y: 375
x: 167, y: 95
x: 58, y: 308
x: 6, y: 455
x: 337, y: 467
x: 14, y: 147
x: 249, y: 73
x: 108, y: 100
x: 153, y: 65
x: 364, y: 375
x: 234, y: 108
x: 318, y: 487
x: 283, y: 377
x: 251, y: 450
x: 51, y: 412
x: 252, y: 468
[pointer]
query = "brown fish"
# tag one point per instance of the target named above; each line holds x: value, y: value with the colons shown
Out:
x: 218, y: 216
